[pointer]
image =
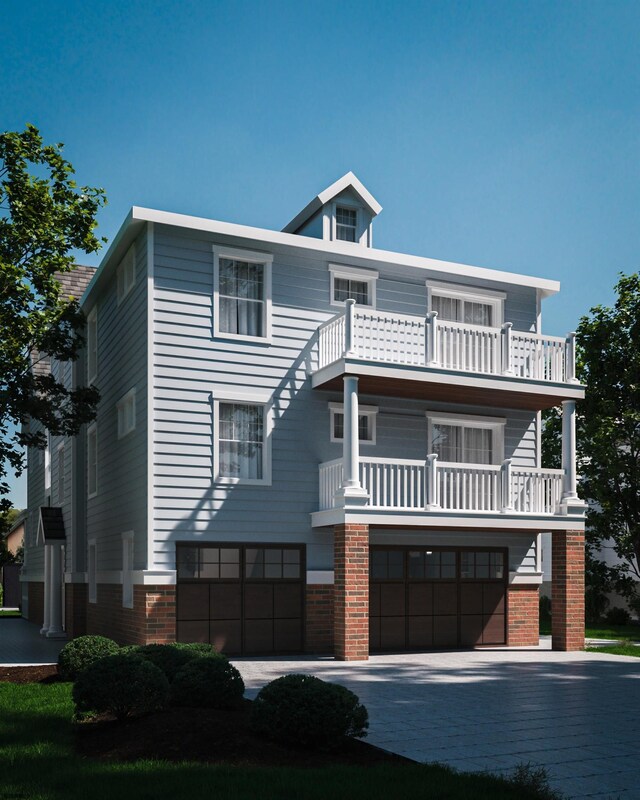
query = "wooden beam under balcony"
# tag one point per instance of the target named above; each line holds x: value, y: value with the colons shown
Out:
x: 453, y: 386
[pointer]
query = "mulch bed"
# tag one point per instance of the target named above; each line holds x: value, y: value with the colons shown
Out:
x: 44, y: 674
x: 211, y: 736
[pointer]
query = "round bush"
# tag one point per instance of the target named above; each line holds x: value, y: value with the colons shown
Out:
x: 80, y: 653
x: 210, y: 682
x: 122, y: 685
x: 304, y: 710
x: 202, y: 648
x: 170, y: 658
x: 618, y: 616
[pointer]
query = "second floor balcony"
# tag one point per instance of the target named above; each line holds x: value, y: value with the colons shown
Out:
x: 537, y: 370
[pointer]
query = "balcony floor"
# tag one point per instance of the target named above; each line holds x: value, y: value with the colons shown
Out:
x: 428, y: 383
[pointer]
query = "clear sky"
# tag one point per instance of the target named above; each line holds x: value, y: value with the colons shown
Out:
x: 501, y: 134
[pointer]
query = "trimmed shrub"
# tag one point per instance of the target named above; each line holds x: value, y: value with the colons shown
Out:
x: 80, y: 653
x: 618, y: 616
x: 207, y: 682
x: 545, y: 608
x: 202, y: 648
x: 304, y: 710
x: 122, y: 685
x: 170, y: 658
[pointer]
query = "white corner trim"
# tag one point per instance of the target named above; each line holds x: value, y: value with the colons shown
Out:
x: 150, y: 432
x: 154, y: 577
x: 320, y: 576
x: 524, y: 578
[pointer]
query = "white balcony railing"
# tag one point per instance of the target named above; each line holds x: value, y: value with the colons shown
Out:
x: 430, y: 485
x: 430, y: 342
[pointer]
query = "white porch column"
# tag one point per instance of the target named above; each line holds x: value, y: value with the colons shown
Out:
x: 351, y: 492
x: 431, y: 331
x: 55, y: 593
x: 432, y: 500
x: 569, y: 487
x: 46, y: 585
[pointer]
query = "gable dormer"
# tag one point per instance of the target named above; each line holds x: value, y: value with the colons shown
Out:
x: 343, y: 212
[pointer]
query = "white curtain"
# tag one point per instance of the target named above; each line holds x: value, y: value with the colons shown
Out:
x: 240, y: 441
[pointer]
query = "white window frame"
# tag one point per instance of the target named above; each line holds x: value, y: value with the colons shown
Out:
x: 371, y: 412
x: 369, y: 276
x: 128, y: 399
x: 252, y: 257
x: 92, y: 430
x: 495, y: 424
x: 357, y: 226
x: 92, y: 570
x: 471, y: 294
x: 126, y: 274
x: 247, y: 397
x: 61, y: 483
x: 92, y: 345
x: 127, y: 569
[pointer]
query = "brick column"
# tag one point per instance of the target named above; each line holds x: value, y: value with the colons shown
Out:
x: 351, y: 592
x: 567, y: 590
x: 523, y: 620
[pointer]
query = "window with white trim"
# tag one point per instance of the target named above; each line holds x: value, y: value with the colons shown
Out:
x: 92, y: 570
x: 126, y: 409
x: 242, y: 294
x: 469, y: 306
x: 47, y: 464
x: 351, y: 283
x: 61, y: 475
x: 241, y: 442
x: 127, y: 569
x: 92, y: 345
x: 367, y: 416
x: 346, y: 224
x: 467, y: 440
x: 126, y: 274
x: 92, y: 460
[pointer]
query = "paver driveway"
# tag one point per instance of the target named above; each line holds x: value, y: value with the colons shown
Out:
x: 577, y: 714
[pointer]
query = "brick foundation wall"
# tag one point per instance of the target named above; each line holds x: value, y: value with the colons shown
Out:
x: 351, y: 592
x: 75, y: 612
x: 523, y: 609
x: 567, y: 590
x: 319, y: 618
x: 151, y: 620
x: 35, y: 612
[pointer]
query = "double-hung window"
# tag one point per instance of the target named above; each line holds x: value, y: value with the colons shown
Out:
x: 242, y: 440
x: 470, y: 306
x: 346, y: 224
x: 471, y: 440
x: 352, y: 283
x: 242, y: 295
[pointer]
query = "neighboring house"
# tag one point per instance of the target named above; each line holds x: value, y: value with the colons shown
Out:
x: 305, y: 443
x: 14, y: 537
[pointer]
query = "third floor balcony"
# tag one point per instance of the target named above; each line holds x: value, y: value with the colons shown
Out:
x: 398, y: 355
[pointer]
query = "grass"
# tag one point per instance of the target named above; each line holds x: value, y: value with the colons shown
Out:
x: 622, y: 649
x: 37, y: 762
x: 6, y: 612
x: 601, y: 631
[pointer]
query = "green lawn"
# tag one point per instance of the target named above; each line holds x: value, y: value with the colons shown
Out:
x: 601, y: 631
x: 9, y: 613
x: 37, y: 763
x: 617, y: 650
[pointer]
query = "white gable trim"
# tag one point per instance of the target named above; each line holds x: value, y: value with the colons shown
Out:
x: 348, y: 181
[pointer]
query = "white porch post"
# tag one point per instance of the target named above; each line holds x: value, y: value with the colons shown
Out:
x: 46, y: 593
x: 570, y: 358
x: 507, y: 368
x: 507, y: 494
x: 432, y: 500
x: 351, y: 492
x: 55, y: 593
x: 431, y: 328
x: 349, y: 327
x: 569, y: 488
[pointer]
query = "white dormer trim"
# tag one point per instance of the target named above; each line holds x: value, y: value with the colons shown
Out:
x: 348, y: 181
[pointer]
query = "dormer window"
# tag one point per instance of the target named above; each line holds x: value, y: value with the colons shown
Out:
x: 346, y: 222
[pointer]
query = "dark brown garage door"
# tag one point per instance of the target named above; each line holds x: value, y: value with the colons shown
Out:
x: 422, y: 598
x: 243, y: 599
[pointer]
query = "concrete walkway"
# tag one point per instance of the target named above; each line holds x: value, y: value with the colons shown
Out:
x: 576, y: 714
x: 21, y: 644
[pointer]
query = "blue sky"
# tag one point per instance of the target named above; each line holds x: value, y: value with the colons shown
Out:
x: 502, y: 134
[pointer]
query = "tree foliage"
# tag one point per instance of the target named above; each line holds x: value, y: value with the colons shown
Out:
x: 44, y: 220
x: 608, y: 434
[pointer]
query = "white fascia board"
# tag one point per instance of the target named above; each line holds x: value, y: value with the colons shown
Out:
x: 348, y: 181
x: 472, y: 521
x: 328, y: 249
